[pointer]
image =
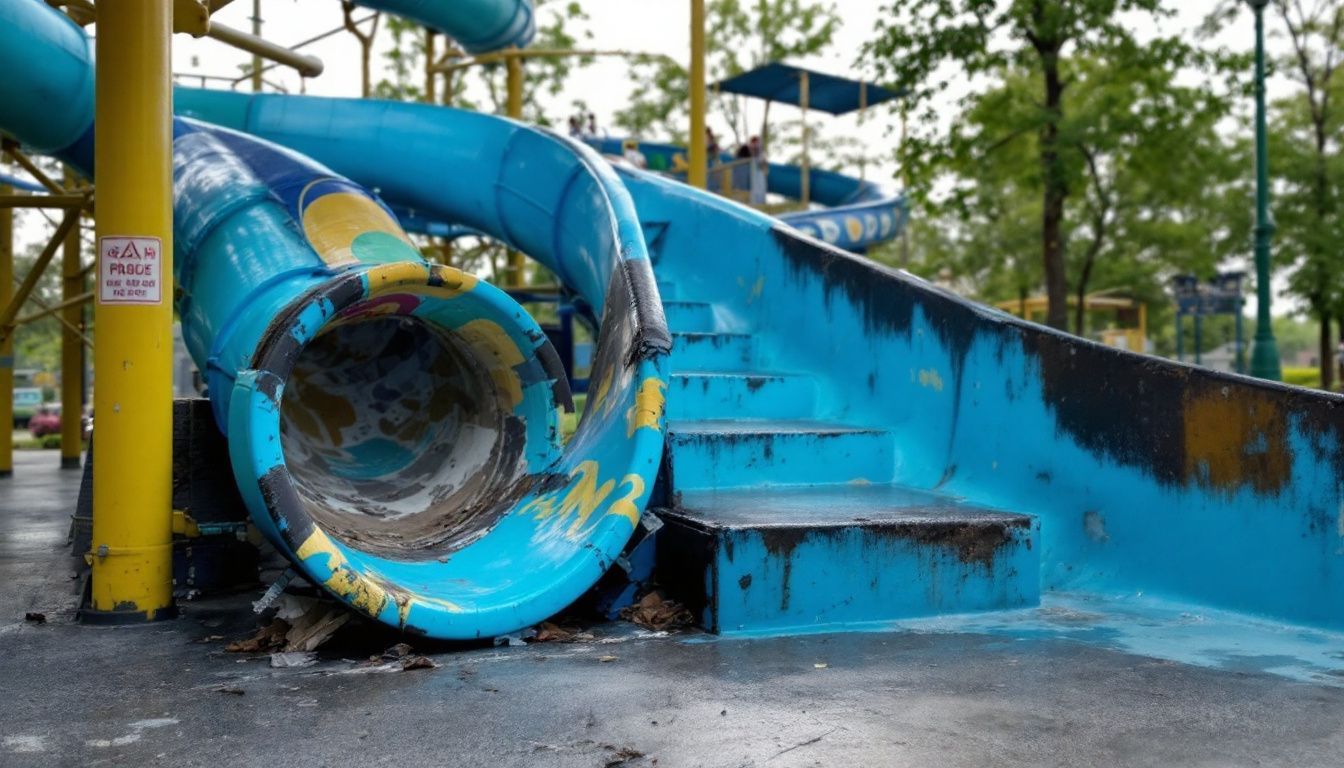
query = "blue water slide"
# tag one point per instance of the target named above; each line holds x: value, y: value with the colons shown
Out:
x: 857, y: 213
x: 809, y: 384
x: 393, y: 425
x: 846, y: 445
x: 479, y: 26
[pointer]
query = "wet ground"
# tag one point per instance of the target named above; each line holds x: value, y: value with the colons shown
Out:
x: 76, y: 695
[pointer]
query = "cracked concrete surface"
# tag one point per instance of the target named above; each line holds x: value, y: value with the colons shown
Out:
x: 76, y: 695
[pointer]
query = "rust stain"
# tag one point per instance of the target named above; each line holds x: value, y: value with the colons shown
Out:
x: 929, y: 378
x: 316, y: 406
x: 1230, y: 441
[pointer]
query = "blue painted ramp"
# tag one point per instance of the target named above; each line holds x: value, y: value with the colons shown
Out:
x: 796, y: 368
x: 852, y: 444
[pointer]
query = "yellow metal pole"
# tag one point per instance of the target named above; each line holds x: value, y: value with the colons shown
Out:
x: 132, y: 361
x: 256, y: 57
x: 429, y: 67
x: 695, y: 175
x: 515, y: 110
x: 6, y: 340
x: 27, y: 200
x: 72, y: 347
x: 803, y: 96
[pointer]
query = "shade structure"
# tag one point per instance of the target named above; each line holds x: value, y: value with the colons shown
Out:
x: 781, y: 82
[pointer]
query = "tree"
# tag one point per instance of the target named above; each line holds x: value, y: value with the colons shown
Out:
x: 739, y: 36
x: 1306, y: 160
x: 923, y: 45
x: 365, y: 44
x: 560, y: 26
x: 1159, y: 189
x: 37, y: 344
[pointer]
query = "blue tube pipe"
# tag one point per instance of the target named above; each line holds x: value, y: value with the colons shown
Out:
x: 859, y: 213
x: 439, y: 503
x: 479, y: 26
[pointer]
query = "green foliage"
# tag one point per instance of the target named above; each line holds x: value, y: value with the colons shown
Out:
x: 1072, y: 109
x: 739, y: 35
x: 37, y: 344
x: 404, y: 62
x: 1302, y: 377
x: 560, y: 26
x: 1156, y: 189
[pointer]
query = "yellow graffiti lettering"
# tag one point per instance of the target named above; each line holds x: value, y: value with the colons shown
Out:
x: 492, y: 343
x: 648, y: 407
x: 625, y: 505
x: 577, y: 502
x: 356, y: 589
x: 584, y: 496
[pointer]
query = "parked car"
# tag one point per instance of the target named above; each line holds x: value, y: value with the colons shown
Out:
x: 26, y: 402
x: 46, y: 420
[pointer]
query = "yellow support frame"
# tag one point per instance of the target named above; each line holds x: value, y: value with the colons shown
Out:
x: 132, y: 476
x: 73, y: 299
x: 6, y: 340
x: 514, y: 82
x: 696, y: 174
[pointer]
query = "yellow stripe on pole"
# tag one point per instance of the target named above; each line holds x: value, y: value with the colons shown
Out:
x: 132, y: 359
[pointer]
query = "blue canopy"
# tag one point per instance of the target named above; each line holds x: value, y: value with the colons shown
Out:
x: 829, y: 93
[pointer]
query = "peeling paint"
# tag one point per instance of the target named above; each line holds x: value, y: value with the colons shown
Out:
x: 929, y: 378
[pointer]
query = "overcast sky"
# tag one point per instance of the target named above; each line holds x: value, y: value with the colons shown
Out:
x: 656, y: 26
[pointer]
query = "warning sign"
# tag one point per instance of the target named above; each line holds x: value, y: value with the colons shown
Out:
x: 130, y: 270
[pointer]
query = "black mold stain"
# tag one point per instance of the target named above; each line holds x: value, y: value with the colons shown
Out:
x: 633, y: 281
x: 781, y: 543
x: 555, y: 371
x: 975, y: 543
x: 1127, y: 407
x: 885, y: 299
x: 744, y: 582
x: 280, y: 349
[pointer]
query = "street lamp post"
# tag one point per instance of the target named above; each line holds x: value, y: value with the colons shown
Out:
x: 1265, y: 355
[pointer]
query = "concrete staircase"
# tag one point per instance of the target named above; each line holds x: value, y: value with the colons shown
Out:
x: 781, y: 521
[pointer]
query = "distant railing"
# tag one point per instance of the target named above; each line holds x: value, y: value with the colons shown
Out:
x: 731, y: 179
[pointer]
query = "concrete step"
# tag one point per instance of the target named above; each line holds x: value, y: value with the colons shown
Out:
x: 712, y: 351
x: 667, y: 289
x: 829, y: 558
x: 689, y: 316
x: 740, y: 453
x: 736, y: 395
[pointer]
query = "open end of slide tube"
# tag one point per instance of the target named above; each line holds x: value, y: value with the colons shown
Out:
x: 418, y: 412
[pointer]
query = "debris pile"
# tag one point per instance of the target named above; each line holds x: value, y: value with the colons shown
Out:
x: 657, y: 613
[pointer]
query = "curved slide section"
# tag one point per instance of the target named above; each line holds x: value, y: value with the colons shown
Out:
x: 393, y: 424
x: 479, y: 26
x: 858, y: 214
